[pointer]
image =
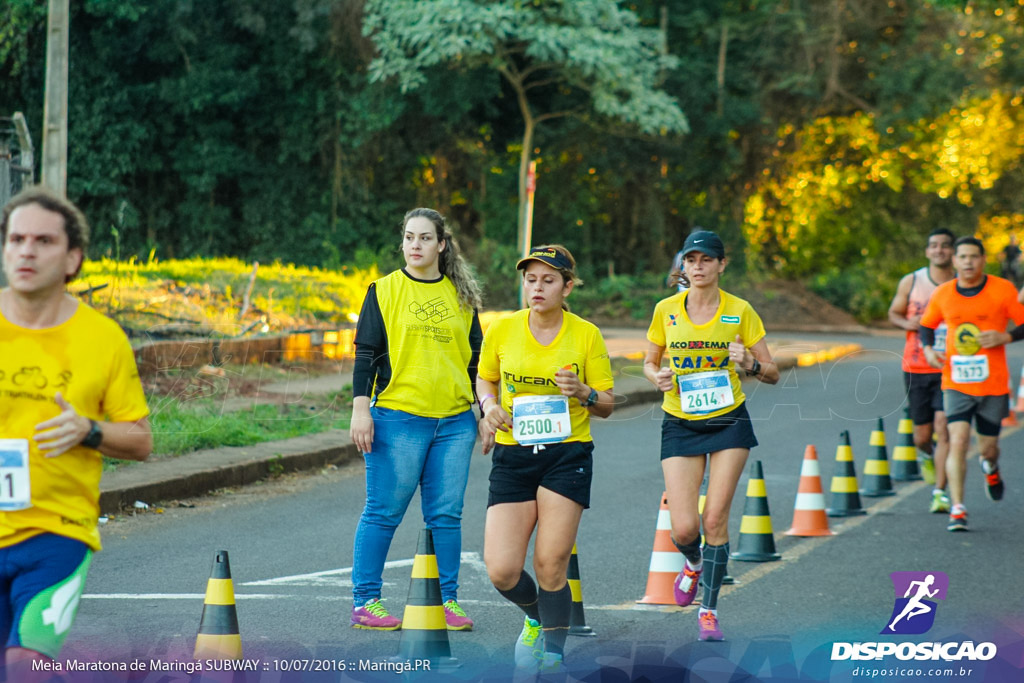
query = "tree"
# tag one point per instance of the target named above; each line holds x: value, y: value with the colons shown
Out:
x: 553, y: 55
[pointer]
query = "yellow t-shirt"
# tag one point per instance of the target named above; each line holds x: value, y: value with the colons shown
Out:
x: 692, y: 349
x: 89, y: 361
x: 428, y: 346
x: 521, y: 366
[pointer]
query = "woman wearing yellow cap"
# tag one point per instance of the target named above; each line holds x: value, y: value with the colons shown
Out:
x: 543, y: 372
x: 708, y: 336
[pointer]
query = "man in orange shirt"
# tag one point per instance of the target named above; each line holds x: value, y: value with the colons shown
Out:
x: 975, y: 381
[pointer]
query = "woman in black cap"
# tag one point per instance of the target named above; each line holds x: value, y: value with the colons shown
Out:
x: 711, y: 336
x: 554, y: 373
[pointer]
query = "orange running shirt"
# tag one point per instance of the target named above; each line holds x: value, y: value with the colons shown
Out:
x: 921, y: 290
x: 978, y: 371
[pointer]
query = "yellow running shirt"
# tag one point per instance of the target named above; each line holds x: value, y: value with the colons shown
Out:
x: 692, y: 349
x: 89, y: 361
x: 512, y: 358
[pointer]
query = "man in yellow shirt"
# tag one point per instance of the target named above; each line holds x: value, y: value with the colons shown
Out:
x: 69, y: 394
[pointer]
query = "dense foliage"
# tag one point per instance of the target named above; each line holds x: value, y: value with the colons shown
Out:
x: 823, y: 135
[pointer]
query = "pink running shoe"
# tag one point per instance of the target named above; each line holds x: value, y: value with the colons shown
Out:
x: 685, y: 586
x: 708, y: 624
x: 455, y: 619
x: 374, y: 616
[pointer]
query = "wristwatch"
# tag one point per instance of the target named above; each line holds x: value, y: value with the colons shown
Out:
x: 591, y: 400
x: 95, y: 436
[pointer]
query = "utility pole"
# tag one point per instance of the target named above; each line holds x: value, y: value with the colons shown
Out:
x: 55, y: 111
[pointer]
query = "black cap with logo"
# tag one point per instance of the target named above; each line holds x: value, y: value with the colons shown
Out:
x: 705, y: 242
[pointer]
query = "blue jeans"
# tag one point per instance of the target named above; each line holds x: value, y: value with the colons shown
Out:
x: 409, y: 450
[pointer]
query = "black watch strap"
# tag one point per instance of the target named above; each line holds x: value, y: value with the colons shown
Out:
x: 95, y: 436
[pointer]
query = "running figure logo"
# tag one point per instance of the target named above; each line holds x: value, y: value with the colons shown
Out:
x: 914, y: 612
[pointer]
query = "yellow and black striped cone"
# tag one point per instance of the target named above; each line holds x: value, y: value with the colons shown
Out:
x: 904, y: 456
x: 424, y: 630
x: 577, y: 619
x: 877, y: 481
x: 218, y: 629
x: 726, y: 580
x: 845, y: 498
x: 756, y: 544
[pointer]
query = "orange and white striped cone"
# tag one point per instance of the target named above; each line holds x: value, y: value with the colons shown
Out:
x: 877, y: 481
x: 809, y: 518
x: 666, y: 562
x: 904, y: 456
x: 757, y: 543
x: 845, y: 498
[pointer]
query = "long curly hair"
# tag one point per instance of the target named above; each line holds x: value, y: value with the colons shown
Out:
x: 451, y: 262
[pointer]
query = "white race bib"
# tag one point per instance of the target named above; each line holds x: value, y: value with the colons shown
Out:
x: 540, y: 419
x: 705, y: 392
x: 968, y: 369
x: 15, y: 487
x: 940, y: 338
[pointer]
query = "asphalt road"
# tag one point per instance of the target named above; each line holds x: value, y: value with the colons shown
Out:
x: 290, y: 546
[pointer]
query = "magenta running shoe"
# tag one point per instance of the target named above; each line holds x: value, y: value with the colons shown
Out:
x: 374, y: 616
x: 685, y: 586
x: 708, y: 624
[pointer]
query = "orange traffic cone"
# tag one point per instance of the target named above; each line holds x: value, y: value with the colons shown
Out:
x: 1019, y: 408
x: 845, y: 498
x: 424, y: 630
x: 218, y: 628
x: 904, y: 456
x: 809, y: 517
x: 756, y: 544
x: 877, y: 481
x: 666, y: 562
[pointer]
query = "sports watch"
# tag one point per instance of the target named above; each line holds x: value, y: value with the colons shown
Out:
x: 591, y: 400
x: 95, y: 436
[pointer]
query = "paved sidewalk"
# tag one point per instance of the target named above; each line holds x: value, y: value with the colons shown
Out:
x: 203, y: 471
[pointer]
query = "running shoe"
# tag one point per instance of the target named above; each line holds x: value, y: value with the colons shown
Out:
x: 927, y: 464
x: 993, y: 483
x: 685, y: 586
x: 550, y: 663
x: 455, y: 618
x: 957, y: 521
x: 374, y: 616
x: 708, y: 624
x: 530, y: 646
x: 940, y: 502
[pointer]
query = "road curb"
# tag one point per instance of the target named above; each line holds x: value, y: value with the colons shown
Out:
x: 202, y: 472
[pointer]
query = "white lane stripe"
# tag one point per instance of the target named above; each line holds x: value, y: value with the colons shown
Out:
x: 175, y: 596
x: 471, y: 559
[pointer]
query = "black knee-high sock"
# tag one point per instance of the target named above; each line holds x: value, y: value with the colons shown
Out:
x: 691, y: 550
x: 555, y: 607
x: 716, y: 557
x: 524, y: 594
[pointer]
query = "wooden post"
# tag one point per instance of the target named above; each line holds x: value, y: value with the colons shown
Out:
x: 55, y: 111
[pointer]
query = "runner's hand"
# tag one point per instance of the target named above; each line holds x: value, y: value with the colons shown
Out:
x: 738, y: 354
x: 991, y: 338
x: 486, y: 437
x: 60, y: 434
x: 665, y: 379
x: 495, y: 418
x: 934, y: 358
x: 570, y: 385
